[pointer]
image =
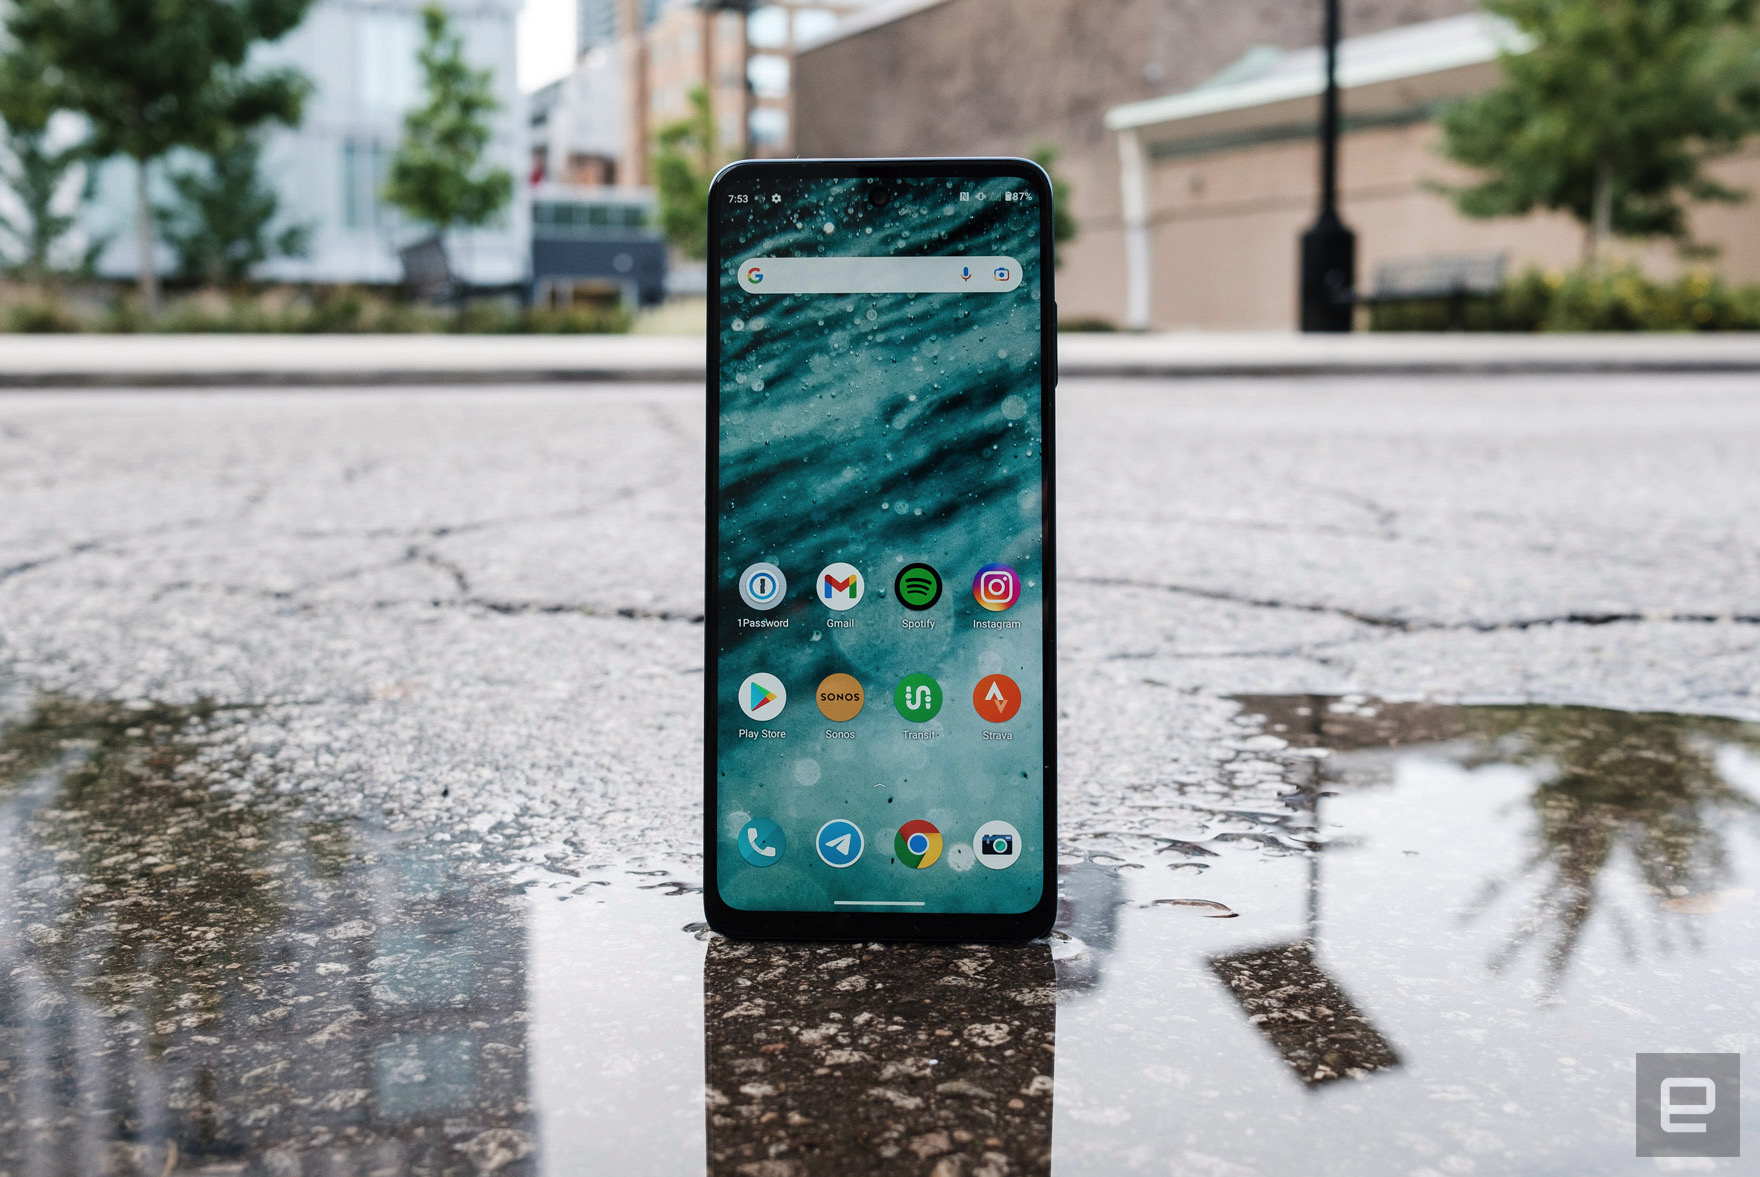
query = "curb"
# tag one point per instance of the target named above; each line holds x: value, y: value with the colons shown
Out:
x: 213, y: 362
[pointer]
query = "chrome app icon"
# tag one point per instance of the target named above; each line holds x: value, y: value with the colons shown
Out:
x: 917, y: 844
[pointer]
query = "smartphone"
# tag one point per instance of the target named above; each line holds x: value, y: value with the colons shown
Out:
x: 880, y: 622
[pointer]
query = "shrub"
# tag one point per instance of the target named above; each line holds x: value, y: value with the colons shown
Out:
x: 1620, y: 299
x: 47, y: 316
x: 332, y: 310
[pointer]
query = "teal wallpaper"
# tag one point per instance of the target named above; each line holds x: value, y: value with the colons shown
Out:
x: 880, y: 431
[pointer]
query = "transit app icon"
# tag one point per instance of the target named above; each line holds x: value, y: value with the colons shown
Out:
x: 917, y: 697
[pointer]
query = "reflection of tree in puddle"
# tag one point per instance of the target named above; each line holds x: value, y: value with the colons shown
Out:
x: 193, y: 976
x: 1609, y: 785
x: 1610, y: 782
x: 865, y: 1058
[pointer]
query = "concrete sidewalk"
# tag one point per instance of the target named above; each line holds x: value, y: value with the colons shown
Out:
x: 100, y: 361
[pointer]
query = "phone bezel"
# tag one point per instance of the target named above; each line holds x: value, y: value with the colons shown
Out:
x: 833, y: 925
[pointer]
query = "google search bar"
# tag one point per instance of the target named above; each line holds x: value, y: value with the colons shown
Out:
x: 879, y: 275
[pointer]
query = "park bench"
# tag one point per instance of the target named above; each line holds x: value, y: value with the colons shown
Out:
x: 1450, y: 278
x: 428, y: 276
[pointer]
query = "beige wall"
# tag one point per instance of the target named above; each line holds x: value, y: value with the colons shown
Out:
x: 973, y: 77
x: 1226, y: 224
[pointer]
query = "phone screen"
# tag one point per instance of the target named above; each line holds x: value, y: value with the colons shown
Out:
x: 878, y: 543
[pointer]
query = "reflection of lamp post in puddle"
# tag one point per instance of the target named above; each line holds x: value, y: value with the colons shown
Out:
x: 1305, y: 1015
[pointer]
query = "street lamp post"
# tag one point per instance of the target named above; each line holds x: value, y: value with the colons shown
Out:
x: 1329, y: 248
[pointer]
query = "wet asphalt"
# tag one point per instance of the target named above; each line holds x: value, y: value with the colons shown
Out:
x: 430, y: 655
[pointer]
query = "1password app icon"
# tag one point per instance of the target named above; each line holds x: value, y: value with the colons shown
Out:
x: 840, y: 843
x: 761, y: 842
x: 762, y: 586
x: 762, y: 697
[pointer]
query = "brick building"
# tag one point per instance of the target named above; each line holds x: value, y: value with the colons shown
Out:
x: 943, y: 77
x: 1204, y: 112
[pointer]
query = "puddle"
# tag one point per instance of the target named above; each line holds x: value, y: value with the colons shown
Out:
x: 1370, y: 937
x: 198, y: 978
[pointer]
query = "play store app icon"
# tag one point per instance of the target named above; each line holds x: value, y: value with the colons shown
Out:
x: 762, y: 696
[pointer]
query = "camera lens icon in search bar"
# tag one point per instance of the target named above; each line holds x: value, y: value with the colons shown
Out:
x: 879, y: 275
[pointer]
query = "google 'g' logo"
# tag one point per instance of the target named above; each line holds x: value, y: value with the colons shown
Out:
x: 754, y: 274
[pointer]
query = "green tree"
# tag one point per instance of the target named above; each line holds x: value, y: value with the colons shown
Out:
x: 437, y: 175
x: 684, y: 165
x: 37, y: 173
x: 1609, y: 112
x: 220, y: 228
x: 1063, y: 220
x: 38, y: 176
x: 152, y: 75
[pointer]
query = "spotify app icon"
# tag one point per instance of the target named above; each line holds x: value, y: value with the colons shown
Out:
x: 917, y: 586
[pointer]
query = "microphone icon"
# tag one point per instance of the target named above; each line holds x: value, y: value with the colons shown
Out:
x: 965, y: 273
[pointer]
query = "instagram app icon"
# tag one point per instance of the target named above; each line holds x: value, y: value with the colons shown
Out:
x: 996, y: 587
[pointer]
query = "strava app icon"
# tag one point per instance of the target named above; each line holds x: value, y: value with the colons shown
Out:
x: 997, y: 698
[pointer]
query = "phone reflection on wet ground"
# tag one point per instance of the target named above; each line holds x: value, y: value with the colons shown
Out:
x: 850, y: 1058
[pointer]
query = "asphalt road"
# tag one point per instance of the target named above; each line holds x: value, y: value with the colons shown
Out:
x: 470, y: 619
x: 476, y: 605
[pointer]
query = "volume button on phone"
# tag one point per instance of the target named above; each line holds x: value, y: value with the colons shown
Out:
x: 1056, y: 318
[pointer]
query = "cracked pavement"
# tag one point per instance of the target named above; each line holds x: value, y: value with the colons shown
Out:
x: 483, y: 605
x: 468, y: 624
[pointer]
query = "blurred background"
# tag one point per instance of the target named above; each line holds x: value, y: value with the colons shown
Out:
x: 371, y: 165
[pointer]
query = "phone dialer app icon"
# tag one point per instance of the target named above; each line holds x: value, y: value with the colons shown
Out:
x: 839, y: 843
x: 762, y: 586
x: 762, y: 697
x: 839, y: 587
x: 997, y: 845
x: 761, y: 842
x: 996, y: 587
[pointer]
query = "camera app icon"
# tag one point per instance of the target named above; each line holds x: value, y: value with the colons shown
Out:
x: 996, y: 587
x: 997, y: 845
